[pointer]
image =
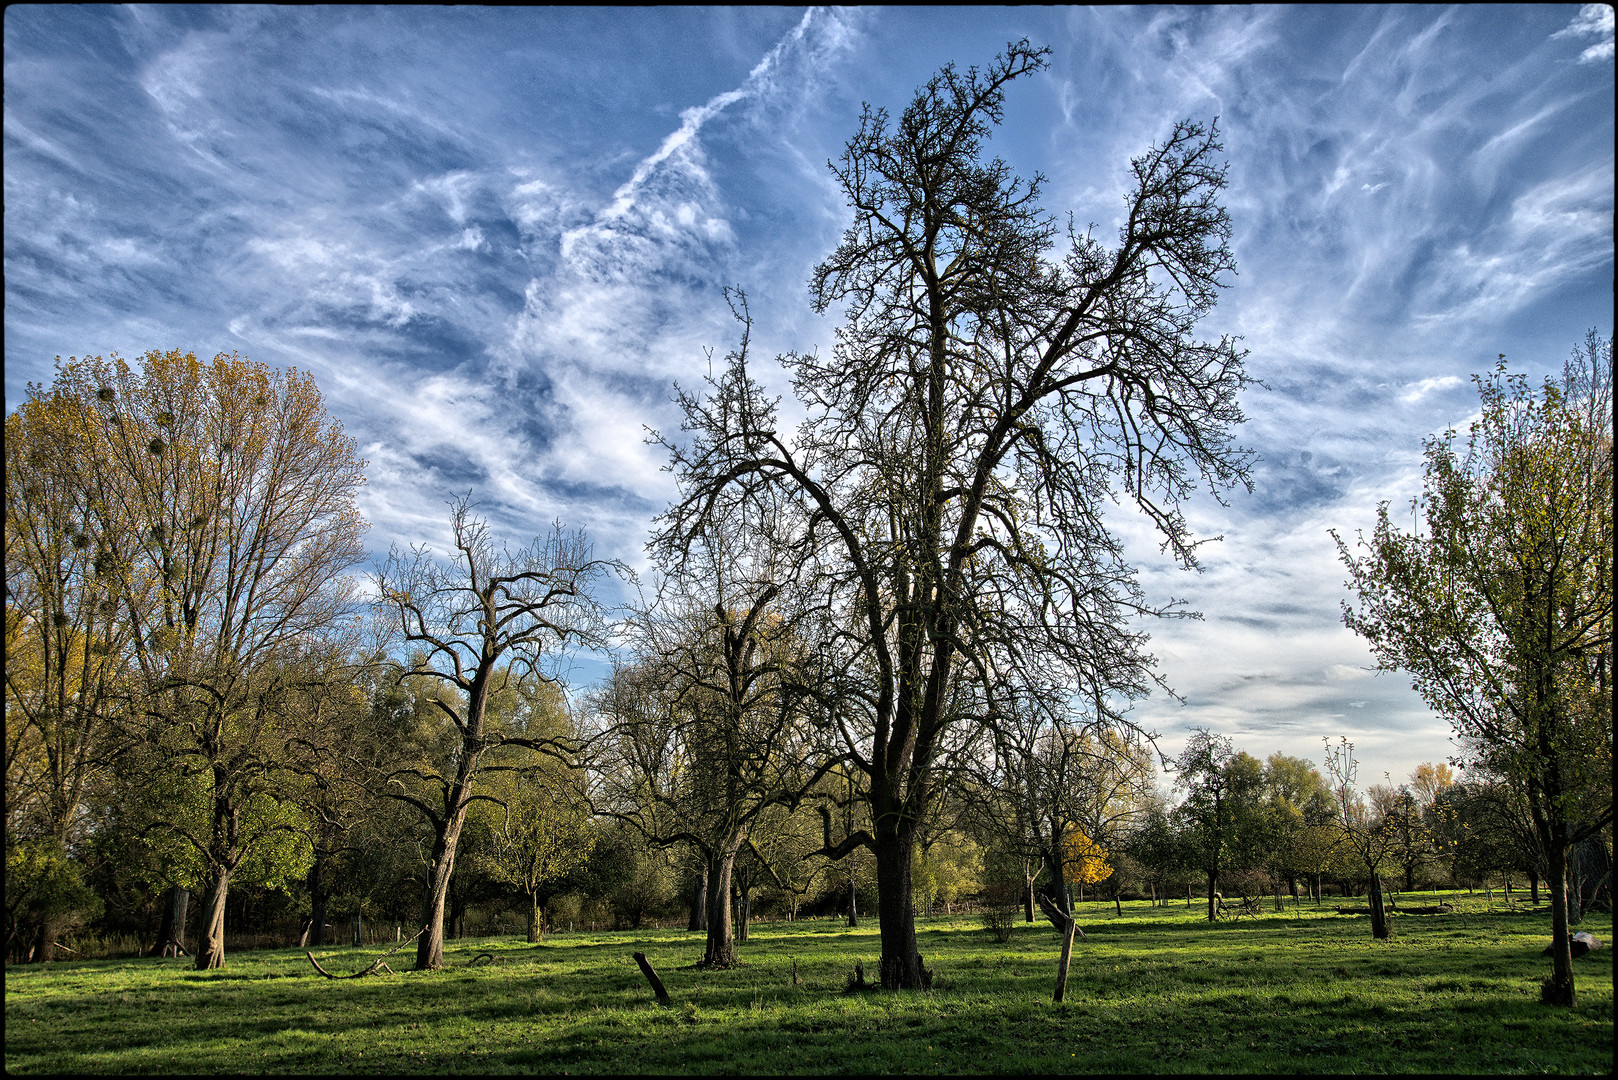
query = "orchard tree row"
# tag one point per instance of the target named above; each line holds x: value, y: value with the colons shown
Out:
x: 901, y: 629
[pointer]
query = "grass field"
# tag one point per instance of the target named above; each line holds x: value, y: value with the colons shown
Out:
x: 1155, y: 990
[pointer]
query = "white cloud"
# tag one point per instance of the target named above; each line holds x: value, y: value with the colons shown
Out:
x: 1593, y: 20
x: 1427, y: 386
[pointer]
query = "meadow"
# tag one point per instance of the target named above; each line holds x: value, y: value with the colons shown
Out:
x: 1156, y: 989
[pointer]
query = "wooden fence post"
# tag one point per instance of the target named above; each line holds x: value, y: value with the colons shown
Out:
x: 1067, y: 956
x: 651, y: 977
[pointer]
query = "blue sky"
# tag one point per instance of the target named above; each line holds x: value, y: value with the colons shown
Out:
x: 498, y: 236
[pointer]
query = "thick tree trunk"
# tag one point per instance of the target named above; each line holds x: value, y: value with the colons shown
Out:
x: 430, y: 946
x: 699, y: 901
x: 1213, y: 895
x: 896, y: 915
x: 171, y: 931
x: 721, y: 947
x: 44, y: 947
x: 211, y: 941
x: 1379, y: 912
x: 1559, y: 991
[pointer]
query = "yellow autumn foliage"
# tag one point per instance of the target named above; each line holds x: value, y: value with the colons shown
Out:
x: 1084, y: 862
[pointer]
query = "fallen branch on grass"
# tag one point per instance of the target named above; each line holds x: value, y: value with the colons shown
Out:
x: 379, y: 966
x: 488, y: 956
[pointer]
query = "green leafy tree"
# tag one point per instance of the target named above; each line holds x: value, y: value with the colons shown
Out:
x: 1222, y: 814
x: 1499, y: 603
x: 1297, y: 803
x: 219, y: 504
x: 538, y: 819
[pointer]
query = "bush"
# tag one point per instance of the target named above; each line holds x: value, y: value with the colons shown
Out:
x: 1001, y: 908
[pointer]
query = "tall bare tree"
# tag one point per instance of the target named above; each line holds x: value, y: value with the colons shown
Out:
x: 984, y: 401
x: 487, y: 617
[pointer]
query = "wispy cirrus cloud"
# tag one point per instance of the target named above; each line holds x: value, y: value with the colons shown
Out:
x: 498, y: 235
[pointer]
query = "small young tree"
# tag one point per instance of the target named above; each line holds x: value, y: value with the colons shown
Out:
x: 1363, y: 831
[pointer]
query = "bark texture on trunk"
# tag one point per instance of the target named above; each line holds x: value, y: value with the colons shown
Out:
x: 1213, y: 895
x: 43, y: 950
x: 1559, y: 990
x: 430, y: 947
x: 536, y: 919
x: 1379, y: 911
x: 211, y: 941
x: 896, y: 916
x: 720, y: 951
x: 1067, y: 957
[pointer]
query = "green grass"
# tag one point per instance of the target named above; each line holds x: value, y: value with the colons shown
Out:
x: 1156, y: 990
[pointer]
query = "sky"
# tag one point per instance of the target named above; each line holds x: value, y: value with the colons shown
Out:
x: 497, y: 237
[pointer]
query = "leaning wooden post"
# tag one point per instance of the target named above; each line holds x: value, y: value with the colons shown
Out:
x: 1067, y: 956
x: 651, y: 977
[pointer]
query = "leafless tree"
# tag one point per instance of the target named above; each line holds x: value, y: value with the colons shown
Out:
x: 707, y: 729
x: 983, y: 403
x: 488, y: 616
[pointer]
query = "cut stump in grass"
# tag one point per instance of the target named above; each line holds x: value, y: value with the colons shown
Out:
x: 651, y: 977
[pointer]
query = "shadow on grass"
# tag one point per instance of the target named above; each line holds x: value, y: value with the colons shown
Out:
x: 1153, y: 991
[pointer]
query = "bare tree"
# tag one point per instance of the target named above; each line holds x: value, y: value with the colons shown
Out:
x: 983, y: 402
x: 487, y: 617
x: 707, y: 731
x: 1368, y: 834
x: 1051, y: 779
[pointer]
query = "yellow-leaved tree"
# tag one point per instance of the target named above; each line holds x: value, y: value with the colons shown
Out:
x: 213, y: 524
x: 1084, y: 862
